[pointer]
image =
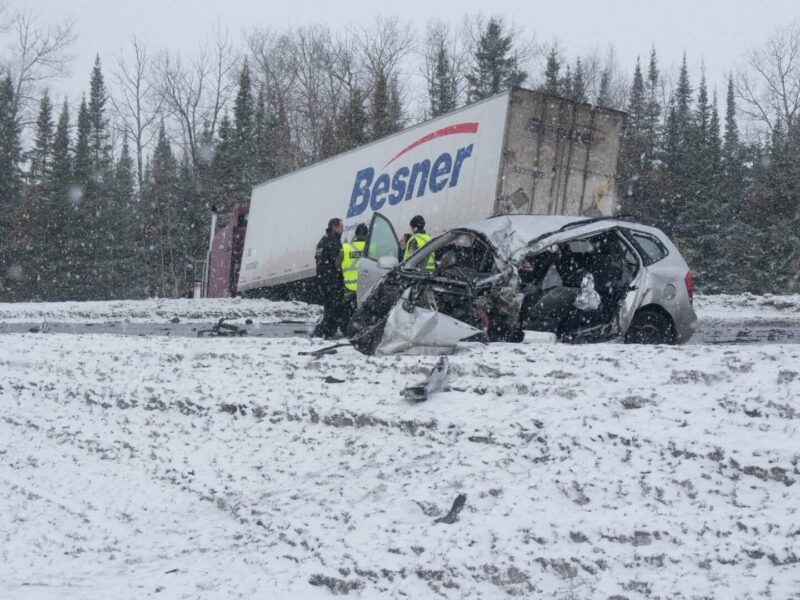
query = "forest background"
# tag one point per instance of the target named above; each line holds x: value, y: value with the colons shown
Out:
x: 111, y: 198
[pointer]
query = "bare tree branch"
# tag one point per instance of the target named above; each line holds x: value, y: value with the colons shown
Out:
x: 137, y: 103
x: 40, y: 53
x: 769, y: 86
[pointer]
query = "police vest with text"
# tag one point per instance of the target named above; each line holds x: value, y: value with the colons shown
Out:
x: 351, y: 258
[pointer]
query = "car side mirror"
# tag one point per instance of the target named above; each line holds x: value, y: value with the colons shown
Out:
x: 387, y: 262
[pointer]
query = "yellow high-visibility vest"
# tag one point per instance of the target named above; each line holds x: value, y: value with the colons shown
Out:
x: 420, y: 239
x: 351, y: 258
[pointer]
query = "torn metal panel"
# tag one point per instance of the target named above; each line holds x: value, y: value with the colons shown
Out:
x: 434, y: 383
x: 427, y: 331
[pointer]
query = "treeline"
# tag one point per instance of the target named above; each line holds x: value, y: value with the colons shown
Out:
x: 111, y: 198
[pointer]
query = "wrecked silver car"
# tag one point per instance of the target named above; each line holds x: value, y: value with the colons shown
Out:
x: 580, y: 279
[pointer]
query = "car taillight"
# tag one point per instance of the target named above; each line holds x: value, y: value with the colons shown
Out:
x: 689, y: 288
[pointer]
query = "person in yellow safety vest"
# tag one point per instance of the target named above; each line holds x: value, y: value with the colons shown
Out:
x: 351, y: 257
x: 417, y: 240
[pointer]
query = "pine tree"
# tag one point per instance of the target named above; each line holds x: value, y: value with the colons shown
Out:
x: 224, y: 172
x: 63, y: 226
x: 161, y: 200
x: 351, y: 126
x: 380, y: 119
x: 33, y: 217
x: 552, y: 74
x: 442, y: 91
x: 397, y: 119
x: 10, y: 183
x: 125, y: 252
x: 578, y: 84
x: 496, y: 67
x: 604, y: 89
x: 99, y: 142
x: 43, y: 142
x: 634, y: 149
x: 243, y: 152
x: 81, y: 194
x: 652, y: 114
x: 191, y: 231
x: 732, y: 154
x: 265, y: 150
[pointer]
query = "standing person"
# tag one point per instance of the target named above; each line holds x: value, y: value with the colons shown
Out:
x: 417, y: 240
x: 329, y: 274
x: 352, y: 252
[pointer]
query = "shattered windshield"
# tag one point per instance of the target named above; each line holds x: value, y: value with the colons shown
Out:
x: 455, y: 250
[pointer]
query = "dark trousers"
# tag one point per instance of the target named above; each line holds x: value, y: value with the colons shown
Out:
x: 334, y: 314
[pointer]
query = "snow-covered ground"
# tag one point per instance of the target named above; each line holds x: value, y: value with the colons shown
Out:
x: 158, y: 311
x: 162, y: 467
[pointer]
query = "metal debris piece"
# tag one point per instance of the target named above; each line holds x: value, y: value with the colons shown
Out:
x: 222, y: 329
x: 434, y: 383
x: 43, y: 328
x: 321, y: 351
x: 452, y: 516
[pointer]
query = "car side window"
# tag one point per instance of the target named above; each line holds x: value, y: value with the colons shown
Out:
x: 650, y: 247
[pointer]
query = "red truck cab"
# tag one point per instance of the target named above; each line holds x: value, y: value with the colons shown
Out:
x: 225, y: 257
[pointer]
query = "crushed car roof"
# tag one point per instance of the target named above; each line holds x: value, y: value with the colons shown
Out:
x: 511, y: 233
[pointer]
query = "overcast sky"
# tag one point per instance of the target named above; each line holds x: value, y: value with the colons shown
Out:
x: 714, y: 32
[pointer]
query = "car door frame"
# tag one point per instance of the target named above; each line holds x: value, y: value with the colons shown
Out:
x: 369, y: 272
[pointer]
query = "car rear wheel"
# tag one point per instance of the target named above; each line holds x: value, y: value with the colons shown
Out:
x: 650, y: 327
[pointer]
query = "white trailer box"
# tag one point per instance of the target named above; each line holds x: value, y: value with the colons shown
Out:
x: 517, y: 152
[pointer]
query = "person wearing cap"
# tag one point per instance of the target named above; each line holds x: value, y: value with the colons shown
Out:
x: 352, y: 252
x: 417, y: 240
x: 351, y: 257
x: 328, y: 257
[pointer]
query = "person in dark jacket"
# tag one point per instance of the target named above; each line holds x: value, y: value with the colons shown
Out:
x: 331, y: 282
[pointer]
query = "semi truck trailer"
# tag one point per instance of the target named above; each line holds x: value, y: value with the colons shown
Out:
x: 519, y: 152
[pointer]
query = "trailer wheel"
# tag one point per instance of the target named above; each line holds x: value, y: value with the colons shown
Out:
x: 651, y: 326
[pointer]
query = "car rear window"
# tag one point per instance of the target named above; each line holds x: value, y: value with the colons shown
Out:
x: 650, y: 247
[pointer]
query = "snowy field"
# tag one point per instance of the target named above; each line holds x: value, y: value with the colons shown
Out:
x: 138, y: 467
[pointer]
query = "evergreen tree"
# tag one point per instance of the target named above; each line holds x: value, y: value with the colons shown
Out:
x: 730, y: 148
x: 10, y: 182
x: 397, y: 119
x: 125, y: 251
x: 604, y: 89
x: 380, y: 119
x: 442, y: 90
x: 265, y: 127
x: 652, y: 114
x: 771, y: 261
x: 161, y: 200
x: 634, y: 149
x: 351, y: 126
x: 552, y: 74
x: 82, y: 242
x: 243, y: 151
x: 191, y: 231
x: 43, y: 142
x: 63, y: 226
x: 732, y: 154
x: 496, y: 67
x: 99, y: 139
x: 226, y: 184
x: 578, y: 84
x: 32, y: 218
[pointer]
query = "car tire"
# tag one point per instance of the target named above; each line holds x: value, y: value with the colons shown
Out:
x: 650, y: 327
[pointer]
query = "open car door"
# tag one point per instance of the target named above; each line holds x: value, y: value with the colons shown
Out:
x: 382, y: 250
